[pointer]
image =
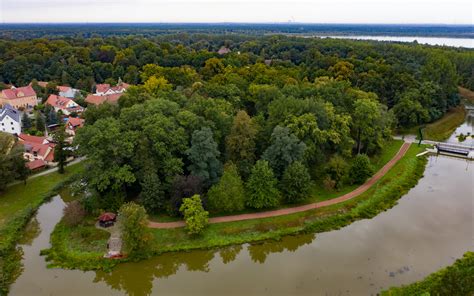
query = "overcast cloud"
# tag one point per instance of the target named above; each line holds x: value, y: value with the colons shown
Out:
x: 316, y: 11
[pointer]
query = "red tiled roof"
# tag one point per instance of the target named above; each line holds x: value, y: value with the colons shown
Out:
x: 102, y: 87
x: 63, y: 88
x: 107, y: 217
x: 97, y: 100
x: 40, y: 150
x: 20, y: 92
x: 35, y: 164
x: 32, y: 139
x: 75, y: 122
x: 58, y: 102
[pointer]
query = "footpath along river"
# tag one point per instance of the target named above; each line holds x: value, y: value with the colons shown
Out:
x: 430, y: 228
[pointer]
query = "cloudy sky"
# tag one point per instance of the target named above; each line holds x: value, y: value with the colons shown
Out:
x: 307, y: 11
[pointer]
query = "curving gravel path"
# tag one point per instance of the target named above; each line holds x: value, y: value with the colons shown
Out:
x: 358, y: 191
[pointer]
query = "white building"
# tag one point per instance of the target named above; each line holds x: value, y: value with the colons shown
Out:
x: 10, y: 121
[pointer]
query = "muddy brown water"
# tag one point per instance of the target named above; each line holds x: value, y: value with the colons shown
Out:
x: 430, y: 228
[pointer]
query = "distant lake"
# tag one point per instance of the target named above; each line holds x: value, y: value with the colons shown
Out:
x: 455, y: 42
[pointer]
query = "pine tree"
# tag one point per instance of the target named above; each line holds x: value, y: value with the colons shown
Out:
x: 203, y: 155
x: 25, y: 121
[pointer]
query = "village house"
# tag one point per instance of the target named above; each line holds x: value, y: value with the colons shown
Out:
x: 97, y: 100
x: 10, y: 121
x: 21, y: 97
x: 39, y: 151
x: 66, y: 105
x: 224, y: 50
x: 73, y: 124
x: 67, y: 91
x: 105, y: 89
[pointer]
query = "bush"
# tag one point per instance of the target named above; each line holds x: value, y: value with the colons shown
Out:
x: 227, y: 195
x: 329, y: 184
x: 195, y: 216
x: 261, y: 187
x: 336, y: 170
x: 183, y: 187
x: 361, y: 169
x: 135, y: 232
x: 74, y: 213
x: 295, y: 183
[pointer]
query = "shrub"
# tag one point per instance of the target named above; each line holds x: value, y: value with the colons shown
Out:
x: 195, y: 216
x: 227, y: 195
x: 337, y: 170
x: 74, y: 213
x: 135, y: 232
x: 361, y: 169
x: 261, y: 187
x: 295, y: 183
x: 329, y: 184
x: 183, y: 187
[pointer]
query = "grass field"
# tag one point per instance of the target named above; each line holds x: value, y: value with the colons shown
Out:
x: 20, y: 196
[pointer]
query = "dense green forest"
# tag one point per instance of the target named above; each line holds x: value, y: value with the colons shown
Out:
x: 255, y: 122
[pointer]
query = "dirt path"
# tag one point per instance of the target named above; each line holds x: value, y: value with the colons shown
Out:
x: 358, y: 191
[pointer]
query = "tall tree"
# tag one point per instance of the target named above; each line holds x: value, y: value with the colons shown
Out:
x: 39, y: 122
x: 136, y: 235
x: 25, y: 121
x: 60, y: 150
x: 203, y: 156
x: 295, y: 183
x: 227, y: 195
x: 261, y: 187
x: 284, y: 149
x: 240, y: 143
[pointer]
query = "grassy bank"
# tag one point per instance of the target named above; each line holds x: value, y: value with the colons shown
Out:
x: 17, y: 205
x: 457, y: 279
x: 442, y: 128
x: 382, y: 196
x: 466, y: 94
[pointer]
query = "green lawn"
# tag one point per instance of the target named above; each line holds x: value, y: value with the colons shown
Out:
x: 20, y: 196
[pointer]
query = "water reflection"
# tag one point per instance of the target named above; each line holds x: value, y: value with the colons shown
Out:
x: 32, y: 231
x: 138, y: 278
x: 466, y: 129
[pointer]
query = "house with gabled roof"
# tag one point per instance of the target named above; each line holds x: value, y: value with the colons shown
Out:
x: 97, y: 100
x: 67, y: 91
x: 10, y: 121
x: 37, y: 148
x: 72, y: 124
x: 21, y: 97
x: 105, y: 89
x: 65, y: 105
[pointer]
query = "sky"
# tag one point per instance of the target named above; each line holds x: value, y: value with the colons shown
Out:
x: 260, y: 11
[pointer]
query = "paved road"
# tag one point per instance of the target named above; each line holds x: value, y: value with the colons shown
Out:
x: 46, y: 172
x: 358, y: 191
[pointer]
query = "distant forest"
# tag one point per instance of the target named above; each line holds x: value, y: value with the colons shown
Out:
x: 27, y: 31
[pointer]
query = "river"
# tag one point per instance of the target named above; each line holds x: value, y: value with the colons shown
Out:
x: 454, y: 42
x: 428, y: 229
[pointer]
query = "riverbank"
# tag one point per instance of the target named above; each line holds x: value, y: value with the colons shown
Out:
x: 382, y: 196
x: 441, y: 129
x: 23, y: 201
x: 457, y: 279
